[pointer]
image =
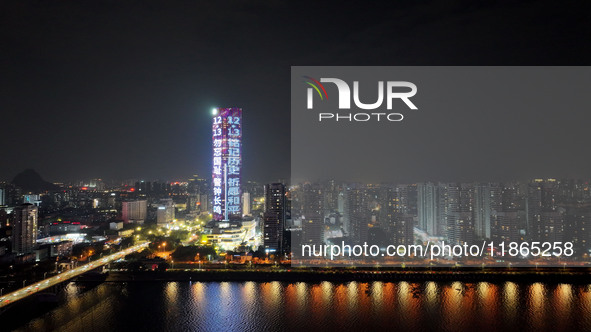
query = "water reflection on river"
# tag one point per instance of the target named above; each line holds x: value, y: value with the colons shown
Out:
x: 272, y: 306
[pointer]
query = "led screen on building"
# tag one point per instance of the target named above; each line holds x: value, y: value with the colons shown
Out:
x: 227, y: 163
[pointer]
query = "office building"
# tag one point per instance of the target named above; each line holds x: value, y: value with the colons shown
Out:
x: 227, y: 163
x: 165, y: 211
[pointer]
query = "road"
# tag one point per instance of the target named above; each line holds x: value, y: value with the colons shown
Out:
x: 50, y: 282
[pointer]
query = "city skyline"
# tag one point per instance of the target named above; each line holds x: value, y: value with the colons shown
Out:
x: 276, y: 165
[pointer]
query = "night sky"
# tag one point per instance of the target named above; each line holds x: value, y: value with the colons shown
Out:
x: 124, y: 89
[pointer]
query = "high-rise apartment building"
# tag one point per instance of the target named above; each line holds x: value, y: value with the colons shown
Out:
x: 312, y: 215
x: 482, y: 210
x: 134, y: 211
x: 274, y: 217
x: 427, y: 208
x: 24, y: 229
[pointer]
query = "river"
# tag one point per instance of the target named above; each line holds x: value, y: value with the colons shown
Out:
x: 326, y: 306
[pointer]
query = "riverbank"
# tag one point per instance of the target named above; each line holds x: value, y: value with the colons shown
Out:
x: 333, y: 275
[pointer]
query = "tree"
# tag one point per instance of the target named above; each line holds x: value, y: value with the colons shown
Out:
x: 189, y: 253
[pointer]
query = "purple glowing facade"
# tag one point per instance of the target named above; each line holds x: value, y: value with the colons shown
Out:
x: 227, y: 164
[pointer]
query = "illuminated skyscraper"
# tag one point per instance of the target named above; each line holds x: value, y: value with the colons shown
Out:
x: 227, y: 163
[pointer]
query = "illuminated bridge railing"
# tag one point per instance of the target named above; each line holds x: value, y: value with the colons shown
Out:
x: 57, y: 279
